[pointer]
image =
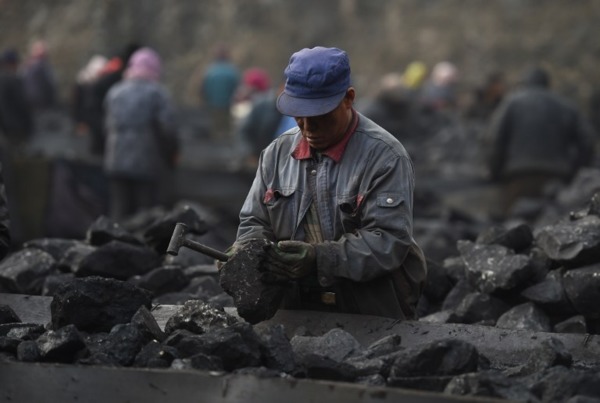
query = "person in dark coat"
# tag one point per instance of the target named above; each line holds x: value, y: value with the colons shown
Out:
x: 16, y: 123
x: 536, y: 137
x: 87, y: 117
x: 40, y: 82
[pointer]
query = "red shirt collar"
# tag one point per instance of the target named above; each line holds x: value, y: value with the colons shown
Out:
x: 335, y: 152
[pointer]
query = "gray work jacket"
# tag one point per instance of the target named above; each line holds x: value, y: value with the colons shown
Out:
x: 365, y: 205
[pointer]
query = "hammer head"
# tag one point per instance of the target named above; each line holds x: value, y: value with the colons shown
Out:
x: 177, y: 239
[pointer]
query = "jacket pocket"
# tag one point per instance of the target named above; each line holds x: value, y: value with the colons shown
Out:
x: 389, y: 200
x: 282, y: 205
x: 348, y: 213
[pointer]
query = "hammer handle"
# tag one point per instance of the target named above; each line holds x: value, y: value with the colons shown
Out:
x: 207, y: 250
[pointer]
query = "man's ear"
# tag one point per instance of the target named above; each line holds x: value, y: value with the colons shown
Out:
x: 350, y: 95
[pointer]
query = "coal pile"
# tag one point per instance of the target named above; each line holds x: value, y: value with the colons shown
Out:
x: 539, y: 277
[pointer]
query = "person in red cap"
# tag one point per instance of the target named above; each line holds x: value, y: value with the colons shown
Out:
x: 334, y: 195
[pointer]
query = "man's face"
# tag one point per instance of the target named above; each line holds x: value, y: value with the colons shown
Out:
x: 321, y: 132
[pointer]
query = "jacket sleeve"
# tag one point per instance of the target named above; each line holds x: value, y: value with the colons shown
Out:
x: 254, y: 218
x: 4, y: 219
x: 384, y: 239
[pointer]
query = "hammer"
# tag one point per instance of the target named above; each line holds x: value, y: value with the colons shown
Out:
x: 178, y: 239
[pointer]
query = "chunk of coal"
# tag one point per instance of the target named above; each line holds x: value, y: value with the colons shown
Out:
x: 455, y: 268
x: 438, y: 358
x: 549, y: 353
x: 5, y: 329
x: 9, y: 345
x: 336, y: 345
x: 489, y: 384
x: 582, y: 286
x: 572, y: 243
x: 53, y: 281
x: 525, y: 316
x: 550, y: 294
x: 516, y: 238
x: 30, y: 331
x: 198, y: 317
x: 7, y: 315
x: 276, y: 349
x: 238, y: 346
x: 384, y: 346
x: 574, y: 324
x: 28, y: 351
x: 162, y: 280
x: 438, y: 317
x: 477, y: 307
x: 222, y: 300
x: 155, y: 355
x: 159, y: 233
x: 60, y: 345
x: 105, y: 230
x: 457, y: 295
x: 118, y: 260
x: 119, y: 347
x: 96, y: 304
x: 24, y: 271
x: 146, y: 323
x: 493, y: 267
x: 56, y: 247
x: 559, y: 383
x: 71, y: 259
x: 322, y: 367
x: 241, y: 277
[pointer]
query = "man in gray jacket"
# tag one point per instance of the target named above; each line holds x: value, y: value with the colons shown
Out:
x: 335, y: 196
x: 536, y: 137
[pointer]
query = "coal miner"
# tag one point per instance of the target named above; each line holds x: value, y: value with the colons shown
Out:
x: 335, y: 196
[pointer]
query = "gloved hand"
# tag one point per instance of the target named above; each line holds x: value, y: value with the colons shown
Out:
x: 291, y: 259
x: 229, y: 252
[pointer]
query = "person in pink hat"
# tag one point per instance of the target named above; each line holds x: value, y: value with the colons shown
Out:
x: 141, y: 127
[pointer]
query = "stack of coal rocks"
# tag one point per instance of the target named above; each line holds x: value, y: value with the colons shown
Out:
x: 539, y: 279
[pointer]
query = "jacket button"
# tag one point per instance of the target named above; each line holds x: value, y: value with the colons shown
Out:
x: 313, y: 172
x: 389, y: 200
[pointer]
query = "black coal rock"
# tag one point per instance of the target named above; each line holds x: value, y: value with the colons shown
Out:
x: 276, y: 349
x: 582, y: 287
x: 28, y: 351
x: 198, y: 317
x: 477, y: 307
x: 105, y: 230
x: 516, y: 238
x: 53, y: 281
x: 525, y: 316
x: 493, y: 267
x: 24, y: 271
x: 155, y: 355
x: 241, y: 278
x: 7, y: 315
x: 574, y: 324
x: 96, y: 304
x: 146, y: 323
x: 550, y: 294
x: 162, y: 280
x: 62, y: 345
x: 119, y: 347
x: 71, y: 259
x: 29, y: 331
x: 490, y: 384
x: 56, y: 247
x: 119, y: 260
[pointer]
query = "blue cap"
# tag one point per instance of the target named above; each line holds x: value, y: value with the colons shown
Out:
x: 316, y: 82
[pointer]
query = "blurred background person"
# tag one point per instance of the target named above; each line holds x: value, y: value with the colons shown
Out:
x: 217, y: 89
x: 535, y: 138
x: 40, y: 80
x: 261, y: 126
x: 439, y: 91
x: 86, y: 116
x: 487, y: 97
x: 255, y: 81
x: 139, y: 113
x: 16, y: 122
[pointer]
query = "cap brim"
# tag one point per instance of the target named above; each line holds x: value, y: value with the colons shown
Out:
x: 307, y: 107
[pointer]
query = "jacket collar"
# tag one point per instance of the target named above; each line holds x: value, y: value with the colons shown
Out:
x: 335, y: 152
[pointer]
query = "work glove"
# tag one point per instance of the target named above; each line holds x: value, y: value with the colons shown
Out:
x: 289, y: 260
x: 229, y: 252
